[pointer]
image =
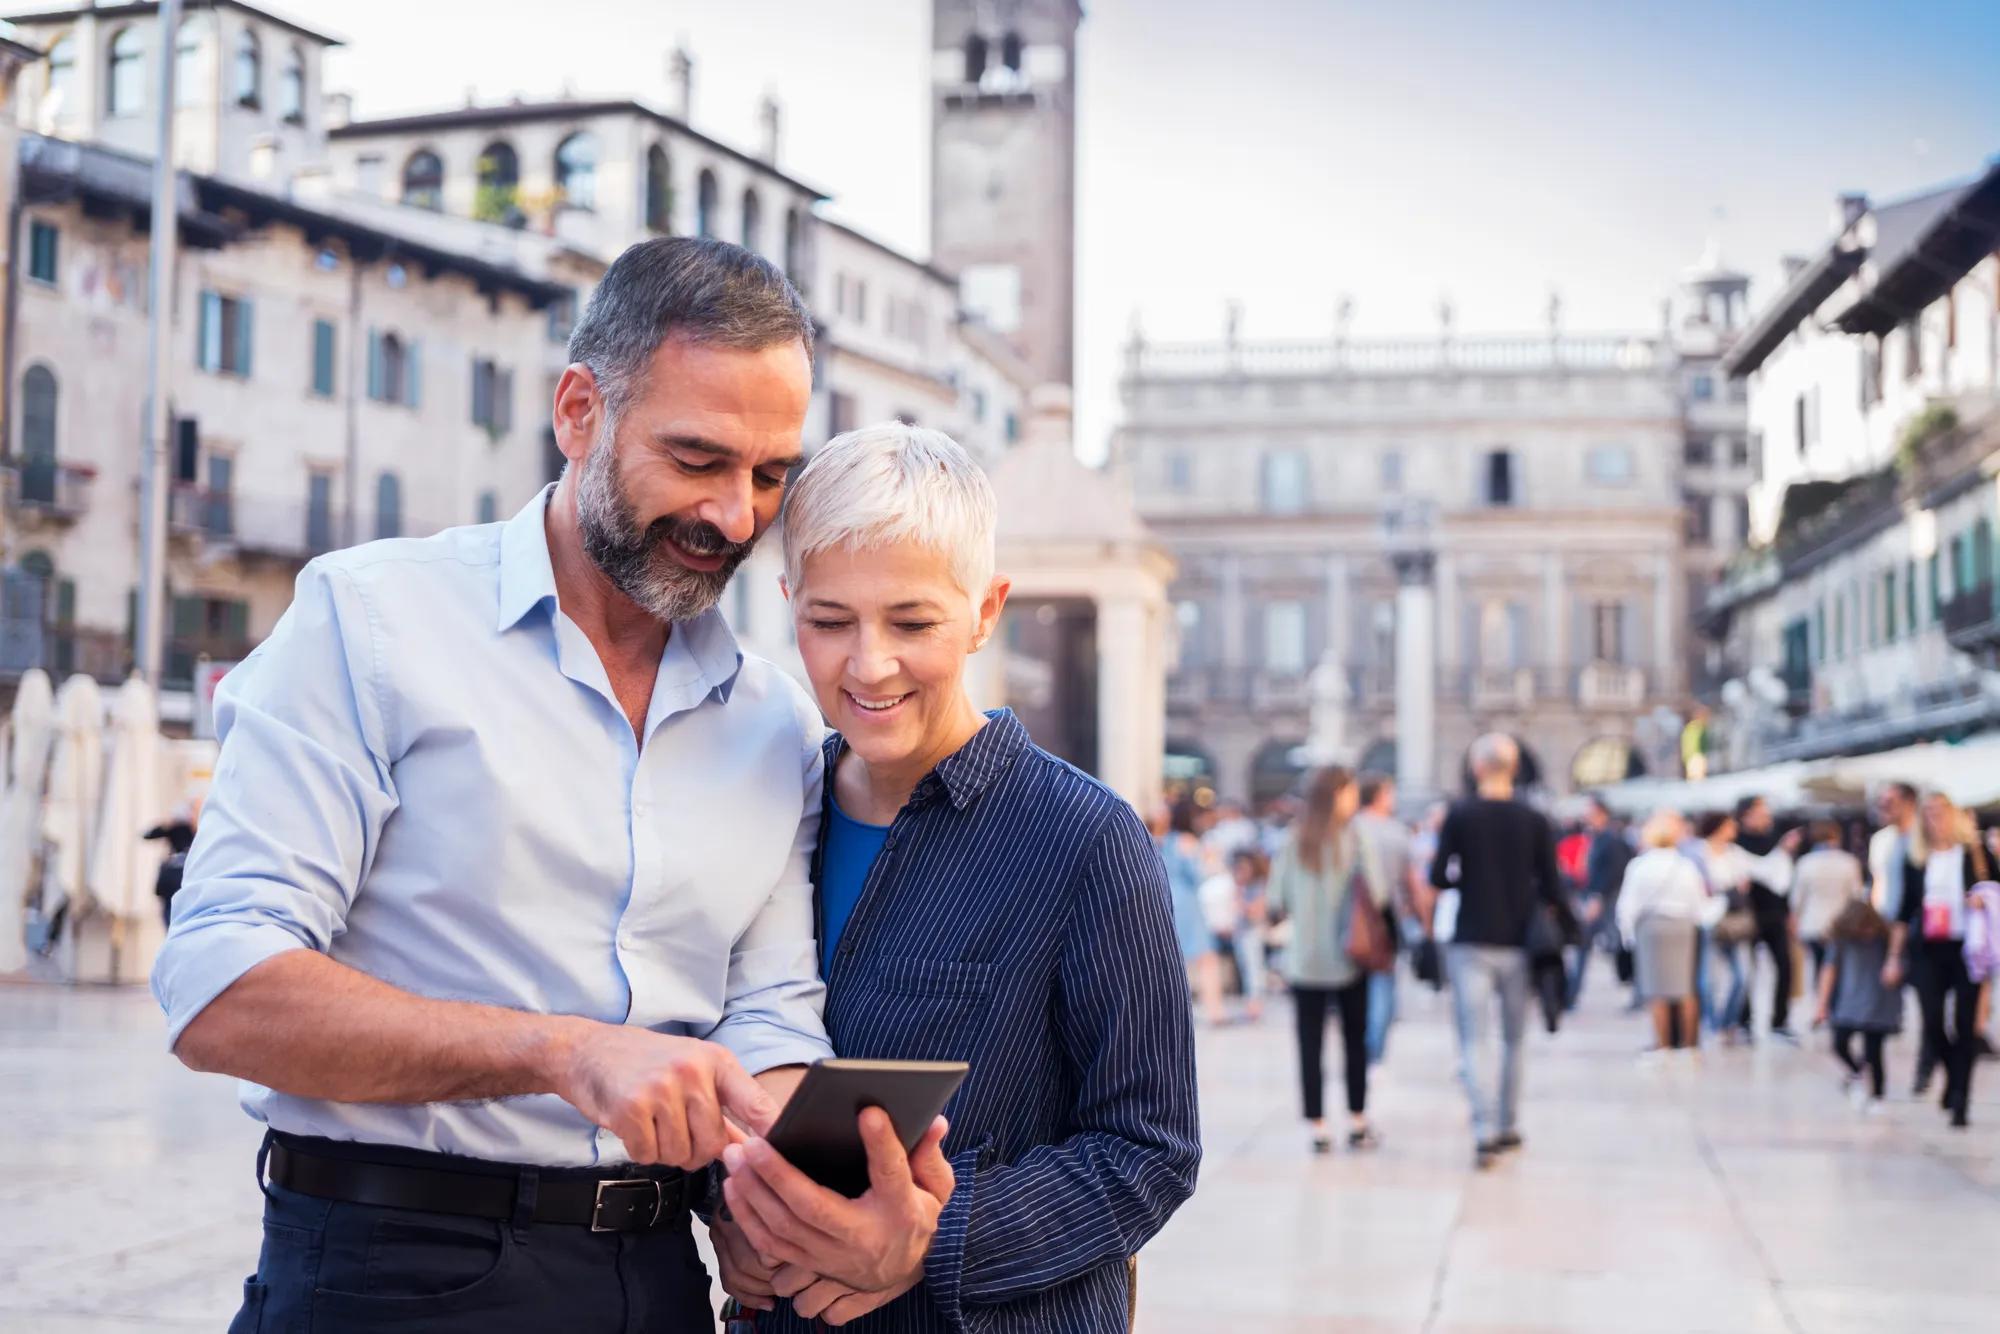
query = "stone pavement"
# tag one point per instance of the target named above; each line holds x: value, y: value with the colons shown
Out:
x: 1743, y: 1195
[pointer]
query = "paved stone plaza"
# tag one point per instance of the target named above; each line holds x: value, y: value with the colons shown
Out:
x: 1741, y: 1196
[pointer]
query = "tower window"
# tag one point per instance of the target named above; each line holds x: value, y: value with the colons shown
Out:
x: 1500, y: 478
x: 1010, y: 51
x: 975, y: 58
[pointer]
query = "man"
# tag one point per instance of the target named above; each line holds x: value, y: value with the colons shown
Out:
x: 1603, y: 873
x: 1501, y: 858
x: 1892, y: 854
x: 1770, y: 905
x: 502, y: 894
x: 1388, y: 839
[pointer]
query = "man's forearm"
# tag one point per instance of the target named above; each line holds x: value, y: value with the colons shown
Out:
x: 306, y: 1025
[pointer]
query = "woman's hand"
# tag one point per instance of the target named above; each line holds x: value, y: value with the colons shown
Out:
x: 873, y: 1246
x: 1892, y: 972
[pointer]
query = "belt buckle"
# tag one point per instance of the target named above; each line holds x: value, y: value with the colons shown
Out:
x: 659, y: 1204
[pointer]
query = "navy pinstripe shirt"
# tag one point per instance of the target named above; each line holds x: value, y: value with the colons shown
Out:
x: 1018, y: 919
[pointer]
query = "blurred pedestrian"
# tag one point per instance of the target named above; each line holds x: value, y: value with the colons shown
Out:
x: 1769, y: 897
x: 1858, y: 998
x: 1388, y: 841
x: 1175, y: 834
x: 1318, y: 873
x: 1500, y: 856
x: 1828, y: 878
x: 1934, y: 914
x: 1232, y: 906
x: 1724, y: 865
x: 178, y: 830
x: 1603, y: 873
x: 1661, y: 907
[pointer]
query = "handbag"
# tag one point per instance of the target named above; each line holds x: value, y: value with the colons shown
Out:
x: 1367, y: 933
x: 1737, y: 927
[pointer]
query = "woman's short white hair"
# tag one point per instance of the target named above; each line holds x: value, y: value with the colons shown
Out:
x: 888, y: 484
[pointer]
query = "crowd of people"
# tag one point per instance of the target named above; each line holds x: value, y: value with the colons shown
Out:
x: 1329, y: 894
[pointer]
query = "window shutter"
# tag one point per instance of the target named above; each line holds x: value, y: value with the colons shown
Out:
x: 375, y: 365
x: 413, y: 374
x: 208, y: 333
x: 478, y: 391
x: 243, y: 339
x: 503, y: 403
x: 187, y: 618
x: 239, y: 620
x: 1583, y: 634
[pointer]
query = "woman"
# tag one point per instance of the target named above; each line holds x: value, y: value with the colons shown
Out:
x: 1726, y: 867
x: 1929, y: 931
x: 1179, y: 844
x: 1855, y: 995
x: 1828, y: 878
x: 978, y: 900
x: 1662, y: 905
x: 1320, y: 866
x: 1232, y: 903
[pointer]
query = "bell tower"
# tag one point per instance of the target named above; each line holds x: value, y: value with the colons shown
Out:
x: 1003, y: 168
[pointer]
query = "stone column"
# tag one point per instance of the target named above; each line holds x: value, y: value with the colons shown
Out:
x: 1416, y: 675
x: 1555, y: 637
x: 1339, y: 622
x: 1665, y: 669
x: 1230, y: 611
x: 1128, y: 716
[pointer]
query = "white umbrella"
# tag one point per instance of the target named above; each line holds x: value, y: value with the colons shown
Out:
x: 24, y: 768
x: 71, y: 809
x: 122, y: 865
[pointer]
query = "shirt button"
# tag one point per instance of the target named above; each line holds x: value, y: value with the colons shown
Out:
x: 624, y: 940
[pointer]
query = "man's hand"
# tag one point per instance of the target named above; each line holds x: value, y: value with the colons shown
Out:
x: 869, y: 1249
x: 744, y: 1276
x: 667, y: 1098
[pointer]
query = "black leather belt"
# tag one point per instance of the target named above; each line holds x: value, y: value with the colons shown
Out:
x: 629, y: 1202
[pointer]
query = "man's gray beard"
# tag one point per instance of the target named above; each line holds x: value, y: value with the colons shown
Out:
x: 637, y: 560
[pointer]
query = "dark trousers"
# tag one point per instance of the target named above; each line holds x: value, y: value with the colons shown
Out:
x: 1943, y: 983
x: 1309, y: 1005
x: 333, y: 1267
x: 1775, y: 935
x: 1871, y: 1050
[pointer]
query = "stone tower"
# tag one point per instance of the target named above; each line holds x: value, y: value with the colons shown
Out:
x: 1003, y: 167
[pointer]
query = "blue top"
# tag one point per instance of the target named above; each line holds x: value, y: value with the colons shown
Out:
x: 850, y: 850
x: 1017, y: 918
x: 425, y: 774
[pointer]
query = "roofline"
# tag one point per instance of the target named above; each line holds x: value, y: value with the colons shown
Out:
x: 203, y: 198
x: 1801, y: 297
x: 945, y: 276
x: 1978, y: 205
x: 133, y: 8
x: 536, y: 111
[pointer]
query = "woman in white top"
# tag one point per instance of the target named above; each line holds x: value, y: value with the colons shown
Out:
x: 1828, y: 878
x: 1661, y: 905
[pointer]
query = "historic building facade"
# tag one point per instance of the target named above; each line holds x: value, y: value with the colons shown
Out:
x: 1865, y: 617
x: 1533, y: 483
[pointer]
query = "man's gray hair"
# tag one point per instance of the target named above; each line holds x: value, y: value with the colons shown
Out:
x: 1495, y: 755
x: 888, y: 484
x: 703, y: 290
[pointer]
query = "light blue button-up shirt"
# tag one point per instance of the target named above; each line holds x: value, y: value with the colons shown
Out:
x: 425, y: 775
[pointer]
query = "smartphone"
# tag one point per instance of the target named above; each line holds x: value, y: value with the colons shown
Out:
x: 818, y: 1133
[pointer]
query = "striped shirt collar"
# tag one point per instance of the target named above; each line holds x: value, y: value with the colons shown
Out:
x: 968, y: 771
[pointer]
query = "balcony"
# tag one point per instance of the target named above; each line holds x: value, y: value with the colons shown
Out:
x: 1972, y: 620
x: 46, y: 491
x: 1502, y: 687
x: 1281, y: 690
x: 1610, y: 685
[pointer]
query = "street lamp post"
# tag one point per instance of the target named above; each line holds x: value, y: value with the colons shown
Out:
x: 150, y: 615
x: 1407, y: 539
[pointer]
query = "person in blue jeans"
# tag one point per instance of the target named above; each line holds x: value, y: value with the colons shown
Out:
x: 1500, y: 855
x: 1390, y: 846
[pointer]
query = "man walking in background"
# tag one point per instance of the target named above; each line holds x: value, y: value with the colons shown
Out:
x: 1770, y: 905
x: 1603, y: 872
x: 1500, y: 856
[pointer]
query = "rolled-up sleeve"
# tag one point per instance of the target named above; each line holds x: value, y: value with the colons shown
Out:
x: 294, y: 814
x: 1134, y: 1142
x: 773, y: 1007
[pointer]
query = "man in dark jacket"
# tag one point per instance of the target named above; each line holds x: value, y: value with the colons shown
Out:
x: 1603, y: 874
x: 1770, y: 905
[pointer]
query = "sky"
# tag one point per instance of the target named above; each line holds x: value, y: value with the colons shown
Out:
x: 1289, y: 153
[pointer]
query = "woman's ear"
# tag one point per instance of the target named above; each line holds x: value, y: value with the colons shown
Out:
x: 990, y: 608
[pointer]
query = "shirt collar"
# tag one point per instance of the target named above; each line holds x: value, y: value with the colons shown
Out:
x: 975, y: 766
x: 528, y: 580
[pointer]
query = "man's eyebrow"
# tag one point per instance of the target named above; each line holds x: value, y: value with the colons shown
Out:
x: 698, y: 444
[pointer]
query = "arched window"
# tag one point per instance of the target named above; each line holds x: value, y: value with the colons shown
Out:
x: 499, y: 186
x: 38, y: 435
x: 249, y: 71
x: 292, y: 87
x: 190, y: 88
x: 576, y: 171
x: 753, y: 222
x: 125, y: 84
x: 62, y: 72
x: 705, y: 205
x: 975, y: 58
x: 395, y: 369
x: 795, y: 249
x: 659, y: 191
x: 1010, y: 51
x: 423, y: 180
x: 388, y: 506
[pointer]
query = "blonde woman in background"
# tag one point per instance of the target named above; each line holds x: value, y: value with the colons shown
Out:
x: 1930, y: 930
x: 1662, y: 905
